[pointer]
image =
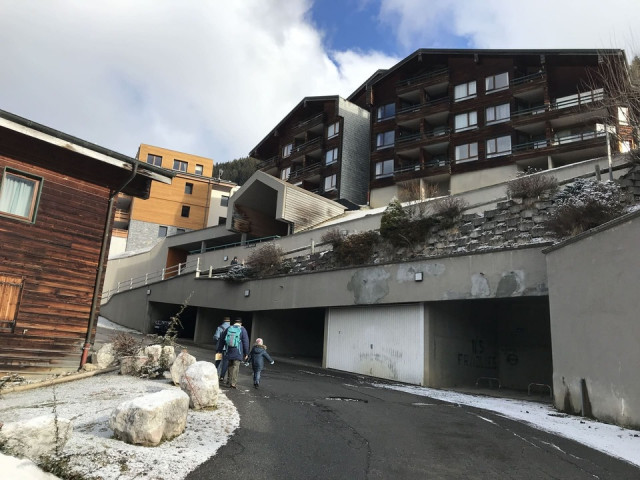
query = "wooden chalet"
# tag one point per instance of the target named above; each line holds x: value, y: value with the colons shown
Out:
x: 57, y: 196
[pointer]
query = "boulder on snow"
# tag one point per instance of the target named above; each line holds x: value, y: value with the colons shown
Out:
x: 200, y: 382
x: 105, y: 356
x: 36, y: 437
x: 132, y: 365
x: 152, y: 418
x: 180, y: 365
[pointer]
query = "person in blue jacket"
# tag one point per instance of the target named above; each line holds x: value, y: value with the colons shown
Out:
x: 257, y: 357
x: 236, y: 340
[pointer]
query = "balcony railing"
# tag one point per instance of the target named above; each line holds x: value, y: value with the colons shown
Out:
x: 304, y: 172
x: 414, y: 137
x: 420, y: 106
x: 433, y: 163
x: 537, y: 144
x: 579, y: 99
x: 307, y: 145
x: 423, y: 77
x: 527, y: 79
x: 309, y: 122
x: 270, y: 162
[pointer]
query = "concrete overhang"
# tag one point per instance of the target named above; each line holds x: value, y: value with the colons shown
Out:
x: 267, y: 206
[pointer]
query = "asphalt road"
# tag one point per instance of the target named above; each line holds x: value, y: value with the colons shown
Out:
x: 309, y: 423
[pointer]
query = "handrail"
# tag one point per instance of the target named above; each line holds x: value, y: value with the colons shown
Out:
x: 236, y: 244
x: 304, y: 145
x: 304, y: 170
x: 436, y: 132
x: 422, y: 77
x: 557, y: 141
x: 308, y: 121
x: 527, y: 78
x: 416, y: 167
x: 268, y: 162
x: 419, y: 106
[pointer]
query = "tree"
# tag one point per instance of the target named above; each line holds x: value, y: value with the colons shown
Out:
x: 238, y: 170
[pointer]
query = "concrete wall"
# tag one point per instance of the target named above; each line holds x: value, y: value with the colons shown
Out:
x: 463, y: 182
x: 594, y: 304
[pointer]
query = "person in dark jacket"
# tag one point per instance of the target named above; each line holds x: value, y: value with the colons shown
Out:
x: 257, y: 357
x: 223, y: 363
x: 235, y: 354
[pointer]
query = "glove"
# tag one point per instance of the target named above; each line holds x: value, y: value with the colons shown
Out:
x: 272, y: 363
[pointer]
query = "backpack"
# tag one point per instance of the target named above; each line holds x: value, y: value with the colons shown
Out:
x: 219, y: 331
x: 233, y: 336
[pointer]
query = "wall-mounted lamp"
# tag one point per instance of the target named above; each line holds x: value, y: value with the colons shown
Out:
x: 226, y: 257
x: 418, y: 276
x: 148, y: 291
x: 247, y: 293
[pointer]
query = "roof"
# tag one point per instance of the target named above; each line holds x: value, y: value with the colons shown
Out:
x: 41, y: 132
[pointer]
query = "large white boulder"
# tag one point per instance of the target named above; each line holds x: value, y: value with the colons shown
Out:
x: 180, y: 365
x: 22, y: 469
x: 200, y: 381
x: 132, y: 365
x: 105, y: 356
x: 152, y: 418
x: 36, y: 437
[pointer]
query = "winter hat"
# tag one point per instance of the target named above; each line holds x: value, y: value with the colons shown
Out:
x: 226, y: 319
x: 258, y: 341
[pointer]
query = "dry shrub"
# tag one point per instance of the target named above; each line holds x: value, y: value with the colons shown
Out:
x: 266, y: 260
x: 356, y: 249
x: 333, y: 236
x: 583, y: 205
x: 125, y: 345
x: 531, y: 184
x: 449, y: 209
x: 413, y: 193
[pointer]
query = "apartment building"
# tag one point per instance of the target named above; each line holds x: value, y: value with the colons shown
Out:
x: 193, y: 200
x: 464, y: 119
x: 322, y: 146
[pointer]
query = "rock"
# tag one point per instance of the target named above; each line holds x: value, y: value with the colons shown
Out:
x: 200, y: 382
x: 153, y: 352
x: 132, y: 365
x: 21, y: 468
x: 152, y: 418
x: 36, y: 437
x: 105, y: 356
x: 169, y: 353
x: 90, y: 367
x: 180, y: 365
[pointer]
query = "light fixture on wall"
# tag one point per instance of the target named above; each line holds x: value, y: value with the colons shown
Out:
x: 226, y: 258
x: 148, y: 291
x: 247, y: 292
x: 418, y: 276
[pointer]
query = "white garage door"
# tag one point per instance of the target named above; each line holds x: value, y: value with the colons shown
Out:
x: 383, y: 341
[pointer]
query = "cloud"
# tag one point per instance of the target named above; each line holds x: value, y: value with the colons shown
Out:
x: 203, y: 77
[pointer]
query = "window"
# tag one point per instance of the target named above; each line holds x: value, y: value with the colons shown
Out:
x: 499, y: 146
x: 497, y: 114
x: 222, y: 220
x: 466, y: 121
x: 384, y: 169
x: 330, y: 183
x: 180, y: 166
x: 287, y: 149
x: 188, y: 188
x: 180, y: 230
x: 386, y: 111
x: 19, y: 195
x: 496, y: 82
x: 623, y: 115
x: 464, y: 91
x: 199, y: 169
x: 284, y: 173
x: 331, y: 156
x: 154, y: 159
x: 333, y: 130
x: 185, y: 211
x: 467, y: 152
x: 385, y: 139
x: 224, y: 200
x: 162, y: 231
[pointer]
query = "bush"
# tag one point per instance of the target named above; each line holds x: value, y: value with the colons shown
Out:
x: 333, y: 236
x: 449, y: 209
x: 583, y: 205
x: 394, y: 224
x: 266, y: 260
x: 529, y: 184
x: 356, y: 249
x: 125, y: 345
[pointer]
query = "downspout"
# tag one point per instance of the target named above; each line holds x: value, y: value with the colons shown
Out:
x: 103, y: 253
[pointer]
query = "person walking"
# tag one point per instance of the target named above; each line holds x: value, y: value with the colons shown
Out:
x: 222, y: 363
x: 236, y: 341
x: 257, y: 357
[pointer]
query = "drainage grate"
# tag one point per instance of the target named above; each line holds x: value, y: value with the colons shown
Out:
x: 347, y: 399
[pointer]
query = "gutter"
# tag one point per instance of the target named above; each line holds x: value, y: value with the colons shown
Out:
x: 99, y: 273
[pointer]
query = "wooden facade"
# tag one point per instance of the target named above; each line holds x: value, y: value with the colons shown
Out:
x: 49, y: 263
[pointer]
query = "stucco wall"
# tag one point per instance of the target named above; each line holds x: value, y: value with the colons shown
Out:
x: 594, y: 304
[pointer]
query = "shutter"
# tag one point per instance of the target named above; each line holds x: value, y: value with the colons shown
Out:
x: 10, y: 293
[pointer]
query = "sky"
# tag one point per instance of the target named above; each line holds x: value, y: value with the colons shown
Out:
x: 89, y: 401
x: 214, y: 77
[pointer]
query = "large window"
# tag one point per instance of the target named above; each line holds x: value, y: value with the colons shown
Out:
x: 185, y: 211
x: 496, y: 82
x: 180, y: 166
x: 466, y: 121
x: 287, y: 149
x: 199, y: 169
x: 333, y: 130
x: 154, y: 159
x: 498, y: 113
x: 467, y: 152
x: 188, y: 188
x: 224, y: 200
x: 386, y: 111
x: 464, y: 91
x: 385, y: 139
x: 19, y: 195
x: 384, y: 168
x: 284, y: 173
x: 331, y: 156
x: 330, y: 183
x: 499, y: 146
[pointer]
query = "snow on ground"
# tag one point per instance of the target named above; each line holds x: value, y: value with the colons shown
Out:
x: 88, y: 403
x: 613, y: 440
x: 109, y: 325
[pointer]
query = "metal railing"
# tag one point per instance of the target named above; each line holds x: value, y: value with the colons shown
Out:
x: 305, y: 145
x: 309, y: 122
x: 578, y: 137
x: 527, y: 78
x: 270, y: 162
x: 423, y: 77
x: 304, y: 171
x: 417, y: 107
